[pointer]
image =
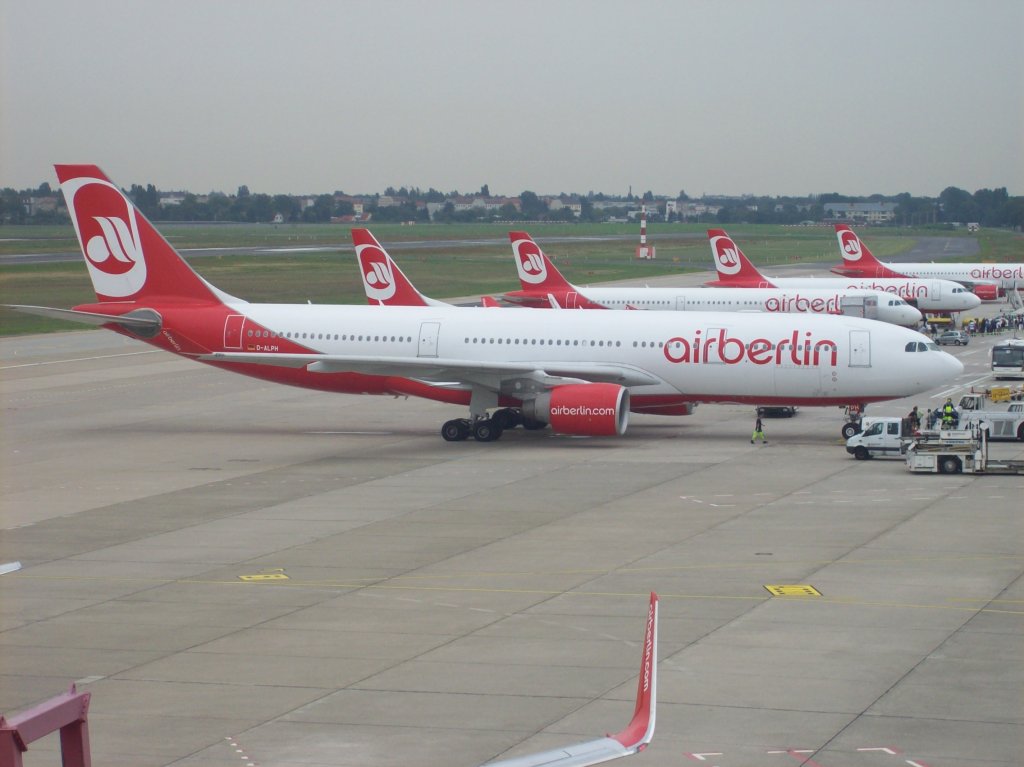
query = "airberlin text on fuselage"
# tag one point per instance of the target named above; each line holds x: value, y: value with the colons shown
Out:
x: 909, y: 291
x: 996, y: 273
x: 798, y: 303
x: 723, y: 348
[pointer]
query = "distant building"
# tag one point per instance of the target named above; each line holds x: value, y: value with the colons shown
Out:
x: 171, y: 199
x: 860, y: 212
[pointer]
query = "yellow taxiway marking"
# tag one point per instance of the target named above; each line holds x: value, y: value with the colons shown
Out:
x: 792, y: 590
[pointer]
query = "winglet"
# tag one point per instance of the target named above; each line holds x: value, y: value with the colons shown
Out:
x: 858, y: 260
x: 734, y: 268
x: 384, y: 283
x: 640, y: 730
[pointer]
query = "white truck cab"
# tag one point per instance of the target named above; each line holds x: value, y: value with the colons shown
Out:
x: 888, y: 436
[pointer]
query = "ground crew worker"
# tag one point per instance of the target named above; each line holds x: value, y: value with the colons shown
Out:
x: 915, y: 419
x: 948, y: 414
x: 758, y: 432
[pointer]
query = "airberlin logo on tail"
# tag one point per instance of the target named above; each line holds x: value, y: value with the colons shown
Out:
x: 378, y: 277
x: 727, y: 255
x: 850, y: 245
x: 108, y: 232
x: 530, y: 262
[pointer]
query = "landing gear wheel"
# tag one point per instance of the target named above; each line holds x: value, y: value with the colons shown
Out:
x: 849, y: 429
x: 531, y: 425
x: 455, y: 430
x: 861, y: 453
x: 485, y: 430
x: 950, y: 465
x: 506, y: 418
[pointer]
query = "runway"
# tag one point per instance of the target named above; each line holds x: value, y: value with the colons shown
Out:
x: 243, y: 573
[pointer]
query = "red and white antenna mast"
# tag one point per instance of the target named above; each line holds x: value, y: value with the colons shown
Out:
x: 643, y: 250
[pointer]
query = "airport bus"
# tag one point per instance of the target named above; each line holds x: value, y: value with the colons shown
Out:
x: 1008, y: 359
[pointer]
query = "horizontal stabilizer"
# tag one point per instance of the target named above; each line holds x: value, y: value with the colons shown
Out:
x: 141, y: 323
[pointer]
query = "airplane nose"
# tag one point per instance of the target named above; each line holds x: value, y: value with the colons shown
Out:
x: 951, y: 366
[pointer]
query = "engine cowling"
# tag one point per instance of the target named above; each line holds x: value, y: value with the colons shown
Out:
x: 986, y: 291
x: 594, y: 410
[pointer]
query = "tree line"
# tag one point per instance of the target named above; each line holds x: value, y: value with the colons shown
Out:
x: 988, y: 207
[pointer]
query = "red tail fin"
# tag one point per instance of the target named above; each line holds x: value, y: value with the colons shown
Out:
x: 858, y: 260
x: 734, y: 269
x: 383, y: 281
x: 127, y: 259
x: 536, y: 272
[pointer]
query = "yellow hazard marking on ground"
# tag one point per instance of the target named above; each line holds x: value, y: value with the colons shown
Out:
x: 794, y: 590
x: 264, y: 577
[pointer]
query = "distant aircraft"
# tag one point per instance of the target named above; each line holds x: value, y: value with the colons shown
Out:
x: 383, y: 281
x: 735, y: 270
x: 986, y: 281
x: 572, y: 370
x: 544, y: 286
x: 638, y: 733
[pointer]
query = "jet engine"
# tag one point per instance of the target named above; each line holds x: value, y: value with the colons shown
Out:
x: 594, y: 410
x: 986, y: 291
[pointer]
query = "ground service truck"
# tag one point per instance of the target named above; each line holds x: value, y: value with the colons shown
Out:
x: 957, y: 451
x: 1005, y: 418
x: 881, y: 437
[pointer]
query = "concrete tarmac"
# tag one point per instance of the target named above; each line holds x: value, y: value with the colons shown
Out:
x: 244, y: 573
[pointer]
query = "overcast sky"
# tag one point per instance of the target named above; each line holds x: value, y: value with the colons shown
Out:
x: 781, y: 97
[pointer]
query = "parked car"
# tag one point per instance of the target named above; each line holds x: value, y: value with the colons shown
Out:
x: 956, y: 337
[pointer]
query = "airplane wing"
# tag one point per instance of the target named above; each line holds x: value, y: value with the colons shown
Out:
x: 631, y: 740
x: 493, y: 375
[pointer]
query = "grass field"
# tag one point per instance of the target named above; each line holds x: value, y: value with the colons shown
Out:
x: 331, y: 277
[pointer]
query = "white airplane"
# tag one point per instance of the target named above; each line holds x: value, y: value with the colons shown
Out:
x: 544, y: 286
x: 573, y: 370
x: 987, y: 281
x: 638, y: 733
x: 735, y: 270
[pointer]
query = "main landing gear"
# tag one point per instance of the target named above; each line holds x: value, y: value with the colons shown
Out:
x: 487, y: 429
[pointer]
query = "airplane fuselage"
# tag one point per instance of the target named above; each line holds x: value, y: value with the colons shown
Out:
x: 936, y: 295
x: 889, y: 307
x: 711, y: 357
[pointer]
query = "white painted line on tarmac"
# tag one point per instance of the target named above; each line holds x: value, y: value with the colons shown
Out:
x: 79, y: 359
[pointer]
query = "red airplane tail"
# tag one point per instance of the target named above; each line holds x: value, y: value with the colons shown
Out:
x: 385, y: 284
x: 858, y: 260
x: 734, y: 269
x: 536, y: 272
x: 127, y: 259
